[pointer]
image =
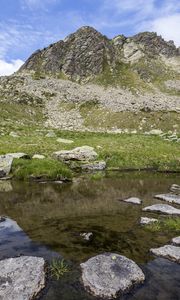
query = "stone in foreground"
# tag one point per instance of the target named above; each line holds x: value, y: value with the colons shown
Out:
x: 163, y: 208
x: 97, y: 165
x: 169, y: 198
x: 175, y: 188
x: 109, y: 274
x: 176, y: 241
x: 168, y: 251
x: 133, y: 200
x: 5, y: 165
x: 83, y: 153
x: 147, y: 221
x: 21, y: 278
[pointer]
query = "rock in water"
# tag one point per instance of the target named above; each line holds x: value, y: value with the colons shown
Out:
x: 176, y: 241
x: 5, y: 165
x: 147, y: 221
x: 168, y: 251
x: 22, y: 278
x: 175, y: 188
x: 133, y: 200
x: 108, y: 274
x: 83, y: 153
x: 163, y: 208
x: 169, y: 198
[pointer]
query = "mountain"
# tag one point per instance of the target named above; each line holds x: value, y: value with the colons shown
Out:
x: 90, y: 82
x: 87, y: 53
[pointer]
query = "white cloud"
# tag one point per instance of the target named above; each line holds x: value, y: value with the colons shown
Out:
x: 33, y: 4
x: 168, y: 27
x: 8, y: 68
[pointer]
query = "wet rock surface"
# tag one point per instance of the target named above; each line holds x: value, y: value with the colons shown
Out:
x: 175, y: 188
x: 21, y: 278
x: 163, y: 208
x: 168, y: 251
x: 169, y: 198
x: 108, y: 274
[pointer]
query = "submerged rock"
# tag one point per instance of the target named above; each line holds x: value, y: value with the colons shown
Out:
x: 175, y: 188
x: 163, y: 208
x: 176, y: 241
x: 5, y: 165
x: 21, y: 278
x: 169, y: 198
x: 108, y: 274
x: 7, y: 224
x: 83, y: 153
x: 168, y: 251
x: 97, y: 165
x: 147, y: 221
x: 133, y: 200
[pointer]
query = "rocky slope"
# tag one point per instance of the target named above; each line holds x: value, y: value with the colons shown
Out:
x: 90, y: 82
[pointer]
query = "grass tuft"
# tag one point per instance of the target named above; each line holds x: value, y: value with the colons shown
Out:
x: 58, y: 268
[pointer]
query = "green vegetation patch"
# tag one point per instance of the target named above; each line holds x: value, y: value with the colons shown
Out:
x: 59, y: 268
x: 25, y: 169
x: 169, y: 224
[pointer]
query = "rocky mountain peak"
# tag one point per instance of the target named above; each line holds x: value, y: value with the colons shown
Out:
x: 84, y: 54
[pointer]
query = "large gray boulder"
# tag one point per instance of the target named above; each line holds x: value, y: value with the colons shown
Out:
x: 168, y: 251
x: 5, y: 165
x: 163, y: 208
x: 169, y: 198
x: 84, y: 153
x: 22, y: 278
x: 108, y: 274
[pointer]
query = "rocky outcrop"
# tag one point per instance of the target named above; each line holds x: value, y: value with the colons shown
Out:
x: 21, y: 278
x: 168, y: 251
x: 87, y: 53
x: 108, y: 274
x: 163, y: 208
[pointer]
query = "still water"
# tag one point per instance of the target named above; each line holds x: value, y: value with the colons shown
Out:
x: 50, y: 218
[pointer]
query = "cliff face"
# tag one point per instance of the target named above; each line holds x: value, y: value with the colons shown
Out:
x: 86, y: 53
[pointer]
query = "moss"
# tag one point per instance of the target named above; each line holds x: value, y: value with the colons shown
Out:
x: 169, y: 224
x: 24, y: 169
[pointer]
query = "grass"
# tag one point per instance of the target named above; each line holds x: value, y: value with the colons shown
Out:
x: 169, y: 224
x: 46, y: 169
x: 97, y: 176
x: 58, y: 268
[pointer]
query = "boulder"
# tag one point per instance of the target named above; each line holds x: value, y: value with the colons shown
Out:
x: 96, y: 165
x: 19, y: 155
x: 83, y: 153
x: 21, y: 278
x: 133, y: 200
x: 64, y: 141
x: 176, y: 241
x: 169, y: 198
x: 168, y: 251
x: 175, y: 188
x: 5, y: 165
x: 147, y: 221
x: 163, y: 208
x: 38, y: 156
x: 108, y: 274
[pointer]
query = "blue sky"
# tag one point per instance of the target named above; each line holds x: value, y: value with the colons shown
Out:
x: 27, y: 25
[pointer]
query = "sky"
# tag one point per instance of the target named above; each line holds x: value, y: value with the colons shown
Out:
x: 28, y: 25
